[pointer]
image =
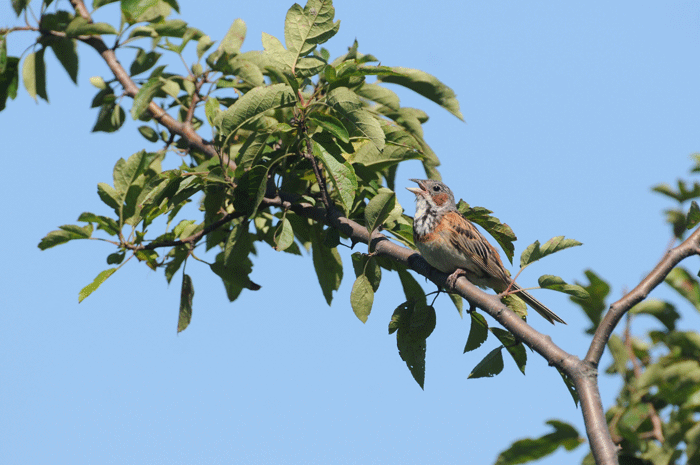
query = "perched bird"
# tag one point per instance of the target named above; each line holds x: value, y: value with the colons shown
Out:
x: 453, y: 245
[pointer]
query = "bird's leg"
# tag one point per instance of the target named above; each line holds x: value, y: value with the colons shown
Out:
x: 452, y: 279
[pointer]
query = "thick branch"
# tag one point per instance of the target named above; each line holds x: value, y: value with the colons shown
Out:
x: 691, y: 246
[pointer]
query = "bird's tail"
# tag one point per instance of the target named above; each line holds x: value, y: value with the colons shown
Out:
x: 538, y: 306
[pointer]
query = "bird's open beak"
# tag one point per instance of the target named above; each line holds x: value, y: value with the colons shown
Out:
x: 417, y: 190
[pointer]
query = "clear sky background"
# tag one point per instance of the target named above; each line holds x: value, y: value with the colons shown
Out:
x: 573, y: 110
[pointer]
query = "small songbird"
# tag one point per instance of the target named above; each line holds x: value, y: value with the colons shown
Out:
x: 453, y: 245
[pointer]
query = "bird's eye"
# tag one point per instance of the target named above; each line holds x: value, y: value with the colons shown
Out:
x: 436, y: 188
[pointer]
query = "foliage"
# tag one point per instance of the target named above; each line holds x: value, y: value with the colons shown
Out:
x: 655, y: 416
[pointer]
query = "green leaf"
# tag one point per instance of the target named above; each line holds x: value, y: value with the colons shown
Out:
x: 305, y: 28
x: 106, y: 224
x: 379, y: 208
x: 341, y: 174
x: 186, y: 296
x: 212, y: 109
x: 80, y: 26
x: 662, y: 311
x: 478, y: 332
x: 349, y: 107
x: 252, y: 149
x: 328, y: 265
x: 284, y: 236
x: 693, y: 217
x: 34, y: 75
x: 501, y: 232
x: 527, y: 450
x: 379, y: 94
x: 412, y: 290
x: 570, y: 386
x: 594, y: 306
x: 489, y: 366
x: 66, y: 233
x: 116, y: 258
x: 100, y: 3
x: 19, y: 6
x: 110, y: 196
x: 361, y: 298
x: 143, y: 62
x: 144, y: 96
x: 253, y: 104
x: 233, y: 40
x: 619, y: 354
x: 126, y: 172
x: 682, y: 195
x: 170, y: 28
x: 144, y: 10
x: 149, y: 133
x: 65, y: 51
x: 555, y: 283
x: 250, y: 190
x: 515, y: 348
x: 685, y: 284
x: 330, y: 124
x: 364, y: 264
x: 9, y: 81
x: 411, y: 346
x: 534, y: 252
x: 423, y: 321
x: 457, y: 300
x: 90, y: 288
x: 426, y: 85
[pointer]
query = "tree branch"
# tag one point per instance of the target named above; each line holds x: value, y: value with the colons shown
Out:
x: 184, y: 130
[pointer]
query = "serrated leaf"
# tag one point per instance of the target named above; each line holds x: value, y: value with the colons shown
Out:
x: 426, y: 85
x: 144, y: 96
x: 349, y: 107
x: 186, y: 296
x: 411, y: 348
x: 341, y: 174
x: 66, y: 233
x: 66, y: 53
x: 379, y: 208
x: 328, y: 265
x: 555, y: 283
x: 489, y: 366
x: 34, y: 75
x: 361, y: 298
x: 284, y: 236
x: 253, y: 104
x: 534, y: 251
x: 90, y: 288
x: 330, y: 124
x: 305, y: 28
x: 478, y: 332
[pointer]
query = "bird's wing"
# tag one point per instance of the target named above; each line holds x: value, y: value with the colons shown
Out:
x: 476, y: 249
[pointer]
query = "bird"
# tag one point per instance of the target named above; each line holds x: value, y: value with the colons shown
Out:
x: 453, y: 245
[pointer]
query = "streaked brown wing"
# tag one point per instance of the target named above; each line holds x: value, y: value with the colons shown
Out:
x: 475, y: 247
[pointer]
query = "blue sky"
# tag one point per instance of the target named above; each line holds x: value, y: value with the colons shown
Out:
x: 573, y: 111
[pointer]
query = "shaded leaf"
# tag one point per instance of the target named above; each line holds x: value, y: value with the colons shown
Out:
x: 341, y: 174
x: 19, y: 6
x: 379, y: 208
x: 662, y: 311
x: 90, y: 288
x: 478, y: 332
x: 144, y: 96
x: 685, y: 284
x: 693, y: 217
x: 330, y: 124
x: 489, y: 366
x: 570, y: 386
x: 379, y: 94
x: 349, y: 107
x: 9, y: 81
x: 149, y: 133
x: 515, y: 348
x: 80, y: 26
x: 67, y: 55
x: 186, y: 296
x: 328, y: 265
x: 594, y: 306
x: 143, y: 62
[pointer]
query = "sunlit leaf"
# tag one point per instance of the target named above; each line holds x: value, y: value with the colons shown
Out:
x: 361, y: 298
x: 90, y: 288
x: 186, y: 296
x: 534, y: 251
x: 348, y: 106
